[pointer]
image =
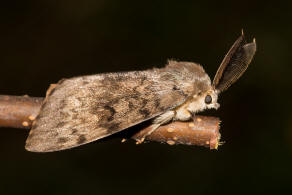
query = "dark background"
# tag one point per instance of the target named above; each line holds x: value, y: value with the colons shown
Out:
x: 44, y: 41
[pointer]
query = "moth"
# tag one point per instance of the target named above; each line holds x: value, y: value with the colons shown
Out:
x: 83, y: 109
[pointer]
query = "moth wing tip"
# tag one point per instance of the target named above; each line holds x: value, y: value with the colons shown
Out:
x: 29, y: 146
x: 37, y: 150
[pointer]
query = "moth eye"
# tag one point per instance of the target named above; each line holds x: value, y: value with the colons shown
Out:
x: 208, y: 99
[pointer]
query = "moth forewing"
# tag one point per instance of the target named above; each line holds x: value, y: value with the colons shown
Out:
x: 84, y: 109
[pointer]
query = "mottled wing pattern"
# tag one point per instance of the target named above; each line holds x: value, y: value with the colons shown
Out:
x: 83, y: 109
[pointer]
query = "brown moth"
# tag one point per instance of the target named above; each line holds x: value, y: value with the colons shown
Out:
x: 83, y: 109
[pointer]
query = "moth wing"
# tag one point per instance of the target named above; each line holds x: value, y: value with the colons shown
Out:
x: 234, y: 63
x: 84, y: 109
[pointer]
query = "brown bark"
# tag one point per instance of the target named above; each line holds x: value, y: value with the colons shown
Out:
x: 18, y: 111
x: 21, y: 111
x: 202, y: 131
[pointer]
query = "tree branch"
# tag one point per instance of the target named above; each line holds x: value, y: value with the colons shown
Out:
x: 18, y: 111
x: 21, y: 111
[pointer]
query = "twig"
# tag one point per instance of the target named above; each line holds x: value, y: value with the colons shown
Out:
x: 18, y: 111
x: 21, y: 111
x: 202, y: 131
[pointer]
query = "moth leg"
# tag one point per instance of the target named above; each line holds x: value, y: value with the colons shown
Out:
x: 51, y: 88
x: 160, y: 120
x: 183, y: 114
x: 164, y: 118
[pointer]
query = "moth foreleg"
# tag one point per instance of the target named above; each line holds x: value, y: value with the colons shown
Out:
x: 183, y: 114
x: 164, y: 118
x: 160, y: 120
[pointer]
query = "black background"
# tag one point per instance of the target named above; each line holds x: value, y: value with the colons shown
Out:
x: 44, y: 41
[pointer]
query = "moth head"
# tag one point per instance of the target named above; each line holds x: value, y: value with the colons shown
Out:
x: 205, y: 99
x: 210, y: 99
x: 234, y: 64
